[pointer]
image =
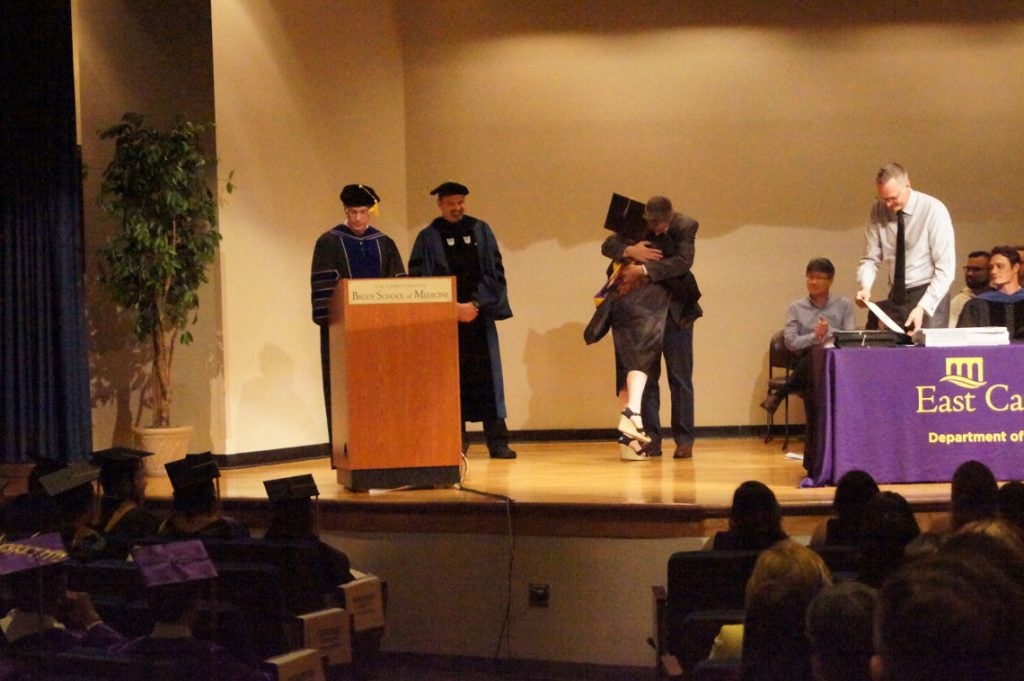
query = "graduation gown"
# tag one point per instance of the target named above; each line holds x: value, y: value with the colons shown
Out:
x: 340, y: 254
x: 996, y: 309
x: 482, y: 281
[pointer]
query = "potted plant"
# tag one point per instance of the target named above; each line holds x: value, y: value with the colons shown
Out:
x: 158, y: 187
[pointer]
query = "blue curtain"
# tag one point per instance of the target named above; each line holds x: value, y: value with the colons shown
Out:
x: 44, y: 363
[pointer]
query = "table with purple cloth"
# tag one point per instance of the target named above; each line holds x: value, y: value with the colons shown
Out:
x: 913, y: 414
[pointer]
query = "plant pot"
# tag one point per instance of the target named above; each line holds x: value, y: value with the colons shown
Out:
x: 167, y: 444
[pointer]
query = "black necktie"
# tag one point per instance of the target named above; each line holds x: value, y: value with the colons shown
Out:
x: 899, y: 282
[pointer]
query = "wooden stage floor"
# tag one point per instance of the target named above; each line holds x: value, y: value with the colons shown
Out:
x: 565, y: 489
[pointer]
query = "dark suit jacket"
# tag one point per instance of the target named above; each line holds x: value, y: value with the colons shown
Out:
x: 672, y: 271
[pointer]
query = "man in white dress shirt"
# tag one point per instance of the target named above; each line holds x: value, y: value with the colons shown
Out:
x: 919, y: 285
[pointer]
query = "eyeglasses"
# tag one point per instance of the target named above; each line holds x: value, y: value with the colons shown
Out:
x: 974, y: 268
x: 889, y: 200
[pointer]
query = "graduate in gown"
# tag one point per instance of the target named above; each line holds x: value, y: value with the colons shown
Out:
x: 195, y: 510
x: 177, y: 577
x: 123, y: 481
x: 44, y: 615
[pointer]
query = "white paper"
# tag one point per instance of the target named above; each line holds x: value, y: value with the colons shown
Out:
x: 978, y: 335
x: 889, y: 323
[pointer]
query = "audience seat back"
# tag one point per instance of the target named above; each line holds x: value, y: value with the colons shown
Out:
x: 703, y: 580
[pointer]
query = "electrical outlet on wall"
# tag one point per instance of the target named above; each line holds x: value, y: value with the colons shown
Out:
x: 539, y: 595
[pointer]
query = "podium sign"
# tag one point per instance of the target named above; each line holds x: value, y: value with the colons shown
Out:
x: 395, y: 383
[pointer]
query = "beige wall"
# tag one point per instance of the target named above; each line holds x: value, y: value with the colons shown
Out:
x: 153, y: 58
x: 309, y: 98
x: 769, y: 135
x: 767, y: 128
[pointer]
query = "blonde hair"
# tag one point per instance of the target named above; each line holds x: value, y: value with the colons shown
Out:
x: 790, y: 567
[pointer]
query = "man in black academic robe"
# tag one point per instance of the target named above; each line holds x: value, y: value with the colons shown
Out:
x: 461, y: 245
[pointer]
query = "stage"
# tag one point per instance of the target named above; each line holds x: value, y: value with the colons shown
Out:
x: 564, y: 489
x: 595, y: 532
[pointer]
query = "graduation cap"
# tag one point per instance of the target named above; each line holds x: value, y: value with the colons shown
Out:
x: 294, y: 488
x: 41, y: 466
x: 357, y: 195
x: 119, y: 461
x: 69, y: 478
x: 449, y: 189
x: 626, y: 217
x: 32, y: 553
x: 177, y: 562
x: 194, y: 469
x: 115, y: 455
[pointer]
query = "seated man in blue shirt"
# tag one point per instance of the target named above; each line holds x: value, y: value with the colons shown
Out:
x: 810, y: 321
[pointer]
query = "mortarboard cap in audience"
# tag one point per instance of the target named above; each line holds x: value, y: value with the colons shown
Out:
x: 119, y: 458
x: 194, y: 469
x: 177, y: 562
x: 449, y: 189
x: 293, y: 488
x: 41, y: 466
x: 625, y: 217
x: 40, y: 551
x: 69, y: 477
x: 357, y: 195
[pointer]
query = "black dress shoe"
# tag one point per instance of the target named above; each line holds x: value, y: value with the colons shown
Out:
x: 652, y: 448
x: 684, y: 451
x: 503, y: 452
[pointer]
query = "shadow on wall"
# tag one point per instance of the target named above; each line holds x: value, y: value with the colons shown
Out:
x: 119, y: 368
x: 271, y: 400
x: 588, y: 399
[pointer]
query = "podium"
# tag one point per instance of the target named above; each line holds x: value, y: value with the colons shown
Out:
x: 395, y: 408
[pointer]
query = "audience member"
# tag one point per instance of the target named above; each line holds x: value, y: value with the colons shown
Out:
x: 889, y: 525
x: 292, y: 516
x: 786, y: 578
x: 1011, y: 503
x: 950, y: 616
x: 195, y: 510
x: 924, y: 544
x: 976, y: 280
x: 755, y: 520
x: 123, y: 481
x: 974, y: 495
x: 73, y: 492
x: 1003, y: 304
x: 32, y: 512
x: 853, y: 491
x: 839, y: 627
x: 993, y: 539
x: 46, y: 617
x: 177, y: 577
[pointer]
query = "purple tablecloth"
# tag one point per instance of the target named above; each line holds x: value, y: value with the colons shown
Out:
x: 913, y: 414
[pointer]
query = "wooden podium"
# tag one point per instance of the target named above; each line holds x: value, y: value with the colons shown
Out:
x: 395, y: 409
